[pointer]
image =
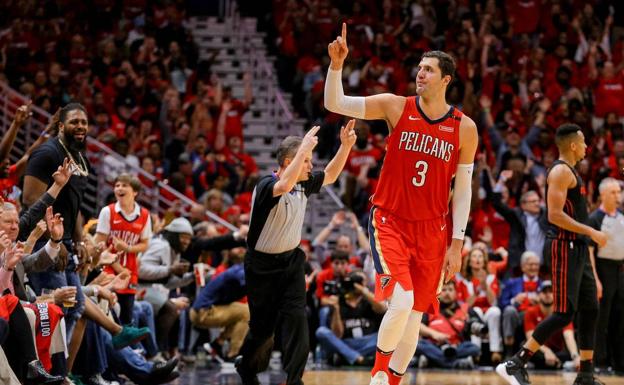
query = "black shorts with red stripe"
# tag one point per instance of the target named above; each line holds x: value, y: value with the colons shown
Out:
x: 574, y: 286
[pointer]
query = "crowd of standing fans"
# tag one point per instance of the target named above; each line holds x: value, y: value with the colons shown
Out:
x: 135, y: 292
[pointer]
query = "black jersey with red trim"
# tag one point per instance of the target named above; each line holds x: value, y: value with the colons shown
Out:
x: 575, y: 206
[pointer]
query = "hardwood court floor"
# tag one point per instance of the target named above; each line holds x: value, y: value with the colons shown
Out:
x: 192, y: 376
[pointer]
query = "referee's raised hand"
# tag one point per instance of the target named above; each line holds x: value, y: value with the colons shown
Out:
x: 310, y: 140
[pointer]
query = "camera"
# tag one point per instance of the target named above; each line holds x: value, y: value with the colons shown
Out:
x: 344, y: 286
x: 449, y: 351
x: 474, y: 325
x: 331, y: 287
x: 478, y: 328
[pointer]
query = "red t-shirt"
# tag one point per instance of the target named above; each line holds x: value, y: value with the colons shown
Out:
x: 609, y: 95
x: 248, y: 162
x: 357, y: 158
x: 323, y: 276
x: 234, y: 119
x: 7, y: 184
x: 466, y: 288
x: 525, y: 14
x: 442, y: 324
x: 534, y: 316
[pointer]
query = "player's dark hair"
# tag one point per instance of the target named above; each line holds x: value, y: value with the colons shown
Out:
x: 565, y: 132
x: 445, y: 62
x: 288, y: 148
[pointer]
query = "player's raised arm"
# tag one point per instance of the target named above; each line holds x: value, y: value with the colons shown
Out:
x: 383, y: 106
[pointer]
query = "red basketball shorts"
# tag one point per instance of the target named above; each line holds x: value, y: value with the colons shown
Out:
x: 408, y: 253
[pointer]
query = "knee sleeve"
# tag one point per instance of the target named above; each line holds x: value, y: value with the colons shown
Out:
x: 551, y: 324
x: 407, y: 344
x: 395, y: 320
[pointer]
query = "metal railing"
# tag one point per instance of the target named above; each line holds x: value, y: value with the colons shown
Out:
x: 259, y: 67
x: 157, y: 195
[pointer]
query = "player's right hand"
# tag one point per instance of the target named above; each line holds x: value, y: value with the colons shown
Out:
x: 310, y: 140
x: 338, y: 49
x: 599, y: 237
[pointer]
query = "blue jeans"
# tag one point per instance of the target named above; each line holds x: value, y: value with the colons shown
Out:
x: 324, y: 313
x: 126, y: 361
x: 143, y: 316
x: 435, y: 354
x: 349, y: 348
x: 91, y: 358
x: 52, y: 279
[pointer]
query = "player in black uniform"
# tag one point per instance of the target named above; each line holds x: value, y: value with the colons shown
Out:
x: 574, y: 286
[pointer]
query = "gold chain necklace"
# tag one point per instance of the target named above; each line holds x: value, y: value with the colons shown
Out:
x: 81, y: 168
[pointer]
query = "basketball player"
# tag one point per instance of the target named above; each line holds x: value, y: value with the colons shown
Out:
x: 574, y: 286
x: 429, y: 143
x: 126, y: 227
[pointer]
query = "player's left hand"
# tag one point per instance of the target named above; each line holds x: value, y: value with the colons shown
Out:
x: 452, y: 262
x: 347, y: 134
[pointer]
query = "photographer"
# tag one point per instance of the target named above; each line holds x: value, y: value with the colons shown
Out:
x: 325, y: 284
x: 354, y: 320
x: 444, y: 332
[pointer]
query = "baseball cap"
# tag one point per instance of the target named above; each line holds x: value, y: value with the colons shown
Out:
x: 180, y: 225
x: 547, y: 284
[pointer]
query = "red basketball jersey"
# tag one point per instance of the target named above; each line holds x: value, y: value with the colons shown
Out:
x: 129, y: 232
x: 421, y: 160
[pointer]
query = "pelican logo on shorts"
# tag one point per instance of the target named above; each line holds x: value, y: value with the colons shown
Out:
x: 385, y: 280
x: 446, y: 128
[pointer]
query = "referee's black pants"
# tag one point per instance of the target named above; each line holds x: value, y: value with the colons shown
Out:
x: 276, y: 290
x: 610, y: 329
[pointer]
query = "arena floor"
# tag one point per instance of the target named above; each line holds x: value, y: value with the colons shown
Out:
x: 361, y: 377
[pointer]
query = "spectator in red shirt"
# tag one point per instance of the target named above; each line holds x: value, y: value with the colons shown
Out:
x: 331, y: 276
x: 234, y: 119
x: 444, y: 343
x: 479, y: 290
x: 561, y: 346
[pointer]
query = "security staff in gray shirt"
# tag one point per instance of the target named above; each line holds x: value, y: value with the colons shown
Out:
x: 608, y: 264
x: 274, y: 263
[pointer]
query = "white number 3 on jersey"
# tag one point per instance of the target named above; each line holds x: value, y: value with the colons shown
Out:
x: 421, y: 171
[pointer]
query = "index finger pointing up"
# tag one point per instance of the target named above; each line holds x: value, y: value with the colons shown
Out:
x: 344, y: 32
x: 313, y: 131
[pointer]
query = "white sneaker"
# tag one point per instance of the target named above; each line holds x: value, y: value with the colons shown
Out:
x: 380, y: 378
x: 423, y: 362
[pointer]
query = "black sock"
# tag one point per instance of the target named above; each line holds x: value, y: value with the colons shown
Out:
x: 524, y: 355
x: 587, y: 366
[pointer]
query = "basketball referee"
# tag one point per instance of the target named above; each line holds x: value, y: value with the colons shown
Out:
x: 274, y: 262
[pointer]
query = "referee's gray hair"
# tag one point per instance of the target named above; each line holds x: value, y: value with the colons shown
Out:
x: 526, y: 255
x: 288, y: 148
x: 605, y: 182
